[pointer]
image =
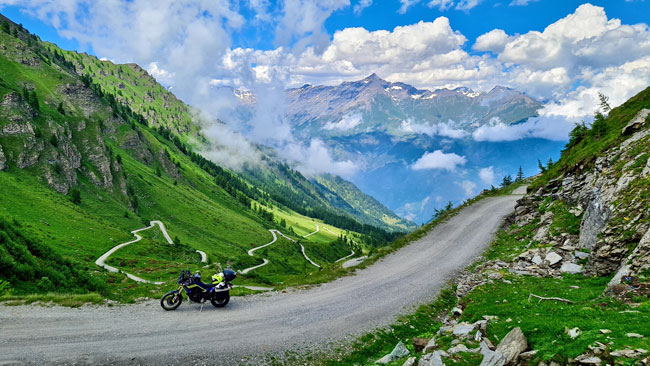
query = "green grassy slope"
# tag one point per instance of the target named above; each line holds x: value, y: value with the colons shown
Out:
x: 74, y: 139
x: 135, y: 88
x: 346, y: 194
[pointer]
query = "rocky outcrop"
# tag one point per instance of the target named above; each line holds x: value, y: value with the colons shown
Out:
x: 605, y: 194
x: 16, y: 115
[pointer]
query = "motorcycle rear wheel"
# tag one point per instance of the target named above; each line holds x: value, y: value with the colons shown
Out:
x: 171, y: 300
x: 219, y: 303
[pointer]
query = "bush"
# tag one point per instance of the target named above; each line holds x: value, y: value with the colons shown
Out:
x: 75, y: 195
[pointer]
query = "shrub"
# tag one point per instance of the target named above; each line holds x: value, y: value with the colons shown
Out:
x: 75, y: 195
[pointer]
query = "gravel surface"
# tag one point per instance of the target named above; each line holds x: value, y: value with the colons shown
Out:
x: 253, y: 325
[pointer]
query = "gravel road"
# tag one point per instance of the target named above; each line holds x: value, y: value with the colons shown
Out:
x: 253, y: 325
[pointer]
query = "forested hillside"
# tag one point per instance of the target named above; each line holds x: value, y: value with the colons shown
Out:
x: 82, y: 164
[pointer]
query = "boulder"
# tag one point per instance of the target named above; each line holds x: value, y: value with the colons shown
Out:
x: 399, y: 351
x: 462, y: 348
x: 553, y: 258
x: 456, y: 311
x: 633, y: 335
x: 432, y: 359
x: 537, y: 259
x: 636, y: 123
x: 588, y: 360
x: 629, y: 353
x: 512, y: 345
x: 463, y: 329
x: 581, y: 255
x: 409, y: 362
x: 571, y: 268
x: 491, y: 358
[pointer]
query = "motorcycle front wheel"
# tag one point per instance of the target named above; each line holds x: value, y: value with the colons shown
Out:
x: 221, y: 301
x: 171, y: 300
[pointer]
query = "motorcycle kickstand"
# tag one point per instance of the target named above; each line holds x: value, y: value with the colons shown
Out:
x: 202, y: 303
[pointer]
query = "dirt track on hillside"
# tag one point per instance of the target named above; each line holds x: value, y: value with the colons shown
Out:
x: 251, y: 325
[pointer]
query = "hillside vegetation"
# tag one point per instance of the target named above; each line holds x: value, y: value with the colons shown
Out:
x: 82, y: 165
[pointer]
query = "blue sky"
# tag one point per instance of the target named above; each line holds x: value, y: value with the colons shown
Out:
x: 482, y: 18
x: 561, y: 52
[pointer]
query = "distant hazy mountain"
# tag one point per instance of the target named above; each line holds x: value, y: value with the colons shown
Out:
x: 374, y: 104
x: 384, y: 128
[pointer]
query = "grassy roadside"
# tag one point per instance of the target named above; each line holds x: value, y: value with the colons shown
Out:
x: 599, y: 316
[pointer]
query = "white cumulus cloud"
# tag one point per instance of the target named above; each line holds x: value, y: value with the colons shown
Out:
x: 439, y: 160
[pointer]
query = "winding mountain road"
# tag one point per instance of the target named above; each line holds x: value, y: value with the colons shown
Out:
x: 252, y: 325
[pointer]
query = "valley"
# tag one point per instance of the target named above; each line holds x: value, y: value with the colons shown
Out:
x: 258, y: 327
x: 86, y: 164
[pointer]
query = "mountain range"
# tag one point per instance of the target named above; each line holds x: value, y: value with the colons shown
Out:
x: 385, y: 128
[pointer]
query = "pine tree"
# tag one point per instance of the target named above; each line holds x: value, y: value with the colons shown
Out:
x: 60, y: 108
x: 549, y: 164
x: 520, y: 175
x: 604, y: 103
x: 507, y: 180
x: 541, y: 166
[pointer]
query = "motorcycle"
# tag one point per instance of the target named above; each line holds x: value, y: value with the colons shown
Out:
x: 217, y: 292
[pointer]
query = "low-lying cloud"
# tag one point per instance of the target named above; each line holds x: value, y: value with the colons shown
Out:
x: 546, y: 127
x: 439, y: 160
x: 439, y: 129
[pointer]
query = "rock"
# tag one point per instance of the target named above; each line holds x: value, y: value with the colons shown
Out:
x: 478, y: 336
x: 512, y: 345
x: 629, y: 353
x: 419, y: 343
x: 594, y: 220
x: 445, y: 329
x: 456, y: 311
x: 463, y: 329
x: 432, y: 359
x: 457, y: 348
x: 399, y: 351
x: 633, y: 335
x: 581, y: 255
x: 553, y: 258
x: 3, y: 160
x: 528, y: 355
x: 588, y: 360
x: 537, y: 259
x: 571, y: 268
x: 574, y: 332
x: 431, y: 345
x: 541, y: 233
x: 409, y: 362
x: 481, y: 325
x: 637, y: 122
x: 491, y: 358
x: 605, y: 331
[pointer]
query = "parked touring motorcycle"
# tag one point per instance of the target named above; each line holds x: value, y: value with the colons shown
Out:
x: 217, y: 291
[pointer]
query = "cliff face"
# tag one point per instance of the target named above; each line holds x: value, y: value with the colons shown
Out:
x: 595, y: 216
